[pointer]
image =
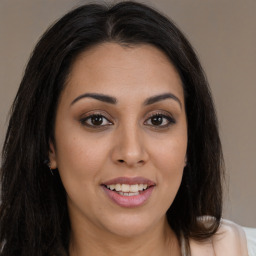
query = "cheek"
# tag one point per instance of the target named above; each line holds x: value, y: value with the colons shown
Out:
x: 171, y: 155
x: 80, y: 157
x: 80, y: 161
x: 169, y: 160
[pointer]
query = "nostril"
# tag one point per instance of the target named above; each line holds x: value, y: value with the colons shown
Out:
x: 122, y: 161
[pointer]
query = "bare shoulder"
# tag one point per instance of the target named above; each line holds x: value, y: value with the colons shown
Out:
x: 230, y: 240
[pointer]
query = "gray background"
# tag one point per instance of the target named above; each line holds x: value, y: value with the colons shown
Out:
x: 223, y: 32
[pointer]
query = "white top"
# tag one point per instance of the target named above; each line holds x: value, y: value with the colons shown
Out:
x: 251, y: 240
x: 230, y: 240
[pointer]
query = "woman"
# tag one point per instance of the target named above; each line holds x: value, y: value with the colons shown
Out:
x: 112, y: 146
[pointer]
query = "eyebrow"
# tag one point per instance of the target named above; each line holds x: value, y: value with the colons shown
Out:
x: 96, y: 96
x: 157, y: 98
x: 113, y: 100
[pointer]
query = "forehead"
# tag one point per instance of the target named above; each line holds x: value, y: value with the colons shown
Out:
x: 111, y: 68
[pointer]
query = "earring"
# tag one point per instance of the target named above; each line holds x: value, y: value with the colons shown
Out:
x: 49, y: 165
x: 47, y: 162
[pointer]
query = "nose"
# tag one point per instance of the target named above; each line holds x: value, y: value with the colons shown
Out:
x: 129, y: 148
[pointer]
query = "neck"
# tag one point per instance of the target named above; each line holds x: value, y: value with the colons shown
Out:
x: 160, y: 240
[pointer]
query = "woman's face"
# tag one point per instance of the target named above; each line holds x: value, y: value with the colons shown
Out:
x: 120, y: 138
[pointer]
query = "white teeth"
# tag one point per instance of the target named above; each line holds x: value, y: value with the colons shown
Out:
x: 140, y: 187
x: 118, y: 187
x: 128, y: 194
x: 126, y: 189
x: 134, y: 188
x: 112, y: 187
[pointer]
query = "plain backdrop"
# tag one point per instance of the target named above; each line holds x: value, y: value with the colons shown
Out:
x: 223, y: 33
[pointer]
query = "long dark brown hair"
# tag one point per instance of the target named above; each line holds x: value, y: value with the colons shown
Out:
x: 33, y: 215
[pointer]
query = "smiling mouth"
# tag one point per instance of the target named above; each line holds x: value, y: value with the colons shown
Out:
x: 128, y: 190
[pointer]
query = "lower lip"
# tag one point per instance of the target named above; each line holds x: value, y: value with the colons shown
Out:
x: 129, y: 201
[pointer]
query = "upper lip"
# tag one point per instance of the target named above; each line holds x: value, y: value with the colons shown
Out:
x: 129, y: 181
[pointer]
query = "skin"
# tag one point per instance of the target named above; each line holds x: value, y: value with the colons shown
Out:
x: 86, y: 155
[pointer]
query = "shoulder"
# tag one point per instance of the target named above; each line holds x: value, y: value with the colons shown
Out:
x: 230, y: 240
x: 251, y: 240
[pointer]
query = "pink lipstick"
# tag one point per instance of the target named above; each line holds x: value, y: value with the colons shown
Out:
x: 129, y: 191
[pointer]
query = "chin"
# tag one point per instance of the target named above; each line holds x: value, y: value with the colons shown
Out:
x: 130, y: 225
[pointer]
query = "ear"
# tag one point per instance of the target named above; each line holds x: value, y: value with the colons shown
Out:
x: 52, y: 156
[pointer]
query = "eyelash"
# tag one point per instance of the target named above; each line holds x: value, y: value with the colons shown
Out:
x: 84, y: 121
x: 169, y: 120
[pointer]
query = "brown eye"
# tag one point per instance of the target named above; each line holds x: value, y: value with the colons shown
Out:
x: 157, y: 120
x: 95, y: 120
x: 160, y: 120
